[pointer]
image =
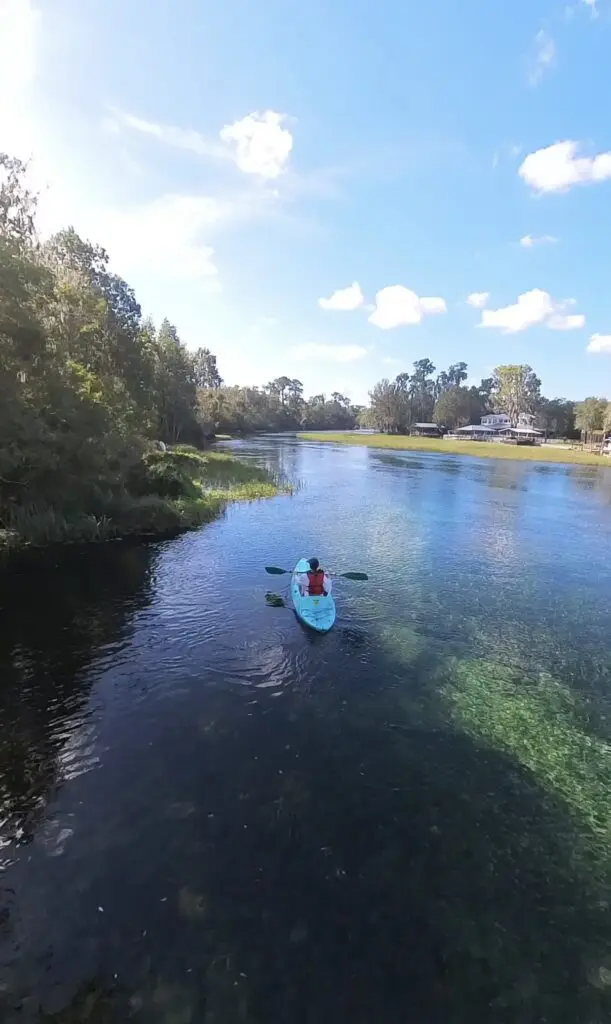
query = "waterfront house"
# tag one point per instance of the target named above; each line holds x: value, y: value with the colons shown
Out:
x: 497, y: 427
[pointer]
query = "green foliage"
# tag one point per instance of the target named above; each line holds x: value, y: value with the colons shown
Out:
x: 457, y: 406
x: 169, y: 475
x: 86, y: 386
x: 516, y: 390
x: 556, y: 416
x: 418, y: 397
x: 591, y: 416
x: 277, y: 407
x: 206, y: 372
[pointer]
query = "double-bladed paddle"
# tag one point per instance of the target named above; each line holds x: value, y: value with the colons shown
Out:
x: 273, y: 570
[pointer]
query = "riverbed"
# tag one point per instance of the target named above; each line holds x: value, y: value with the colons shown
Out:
x: 211, y: 815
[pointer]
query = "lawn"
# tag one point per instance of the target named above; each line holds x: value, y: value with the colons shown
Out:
x: 481, y: 449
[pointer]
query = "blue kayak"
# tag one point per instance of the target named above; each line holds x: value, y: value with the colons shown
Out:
x: 316, y: 612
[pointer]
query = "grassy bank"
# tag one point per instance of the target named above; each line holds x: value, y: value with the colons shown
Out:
x: 168, y: 493
x: 482, y: 449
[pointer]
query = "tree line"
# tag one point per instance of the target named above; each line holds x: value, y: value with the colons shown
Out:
x: 445, y: 399
x: 278, y: 406
x: 87, y: 383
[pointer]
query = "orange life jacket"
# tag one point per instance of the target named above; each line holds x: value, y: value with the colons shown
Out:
x: 316, y: 586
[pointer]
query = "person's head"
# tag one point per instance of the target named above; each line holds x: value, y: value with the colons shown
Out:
x: 314, y: 564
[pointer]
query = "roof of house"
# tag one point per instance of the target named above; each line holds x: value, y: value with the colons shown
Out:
x: 477, y: 426
x: 433, y: 426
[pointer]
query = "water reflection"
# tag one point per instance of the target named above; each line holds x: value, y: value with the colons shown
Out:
x: 59, y: 613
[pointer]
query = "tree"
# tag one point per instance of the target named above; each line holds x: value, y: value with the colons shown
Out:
x: 485, y: 391
x: 516, y: 390
x: 389, y: 406
x: 295, y: 399
x: 421, y: 392
x: 205, y: 370
x: 236, y: 410
x: 453, y: 377
x: 590, y: 416
x: 455, y: 406
x: 176, y: 387
x: 556, y: 416
x: 17, y: 202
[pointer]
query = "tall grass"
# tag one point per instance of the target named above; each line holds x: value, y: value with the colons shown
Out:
x: 481, y: 449
x: 169, y: 492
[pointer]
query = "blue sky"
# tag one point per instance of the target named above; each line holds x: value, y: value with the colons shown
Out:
x: 439, y: 175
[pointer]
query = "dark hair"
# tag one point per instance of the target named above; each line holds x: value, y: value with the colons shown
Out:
x: 314, y: 564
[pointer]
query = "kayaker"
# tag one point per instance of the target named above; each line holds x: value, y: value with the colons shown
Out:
x: 316, y: 582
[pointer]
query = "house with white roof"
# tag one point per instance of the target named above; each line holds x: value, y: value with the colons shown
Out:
x: 497, y: 427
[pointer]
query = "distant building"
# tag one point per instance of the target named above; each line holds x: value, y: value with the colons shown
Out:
x: 497, y: 427
x: 496, y: 420
x: 425, y: 430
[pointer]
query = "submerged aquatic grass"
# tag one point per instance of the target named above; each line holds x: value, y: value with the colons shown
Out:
x: 482, y: 449
x: 545, y: 728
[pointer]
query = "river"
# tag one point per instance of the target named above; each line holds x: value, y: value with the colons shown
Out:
x: 211, y: 815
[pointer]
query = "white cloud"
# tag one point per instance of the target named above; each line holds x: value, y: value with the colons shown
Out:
x: 544, y: 57
x: 329, y: 353
x: 592, y: 4
x: 478, y: 299
x: 397, y: 306
x: 170, y: 135
x: 529, y: 241
x: 432, y: 306
x: 532, y: 308
x: 257, y: 144
x: 566, y: 322
x: 164, y: 235
x: 345, y: 299
x: 599, y: 343
x: 263, y: 146
x: 557, y: 168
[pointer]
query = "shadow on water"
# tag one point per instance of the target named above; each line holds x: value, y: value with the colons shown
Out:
x: 341, y: 854
x: 57, y: 612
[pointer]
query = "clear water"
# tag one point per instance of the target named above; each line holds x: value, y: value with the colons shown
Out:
x: 211, y: 815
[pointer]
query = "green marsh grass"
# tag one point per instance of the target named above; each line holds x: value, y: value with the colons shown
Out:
x: 170, y: 492
x: 481, y: 449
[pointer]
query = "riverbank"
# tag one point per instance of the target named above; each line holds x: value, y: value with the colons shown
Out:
x: 481, y: 449
x: 168, y: 493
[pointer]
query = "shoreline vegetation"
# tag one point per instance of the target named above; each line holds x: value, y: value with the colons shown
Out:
x: 89, y: 387
x: 169, y: 492
x: 480, y: 449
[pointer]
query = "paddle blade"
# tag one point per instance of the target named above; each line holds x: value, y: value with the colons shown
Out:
x: 273, y: 570
x: 355, y: 575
